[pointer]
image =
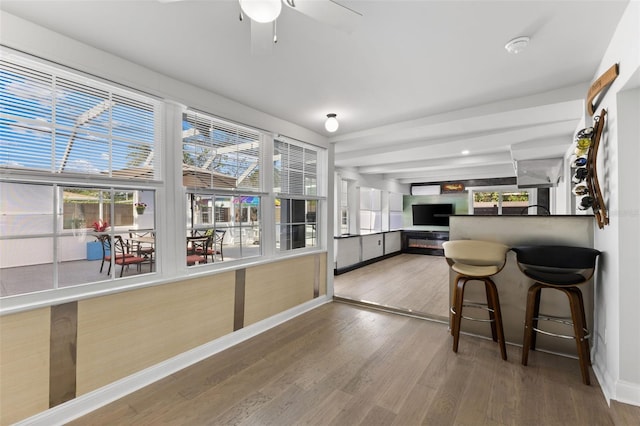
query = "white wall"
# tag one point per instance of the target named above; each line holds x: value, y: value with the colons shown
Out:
x: 628, y: 104
x: 616, y: 335
x: 373, y: 181
x: 357, y: 181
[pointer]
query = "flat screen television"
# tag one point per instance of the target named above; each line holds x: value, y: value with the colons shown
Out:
x: 432, y: 214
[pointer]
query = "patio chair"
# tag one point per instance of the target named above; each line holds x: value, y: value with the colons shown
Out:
x: 215, y: 245
x: 217, y: 242
x: 198, y: 249
x: 143, y: 249
x: 120, y: 250
x: 105, y: 244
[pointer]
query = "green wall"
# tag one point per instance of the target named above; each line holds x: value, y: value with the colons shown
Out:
x: 459, y: 200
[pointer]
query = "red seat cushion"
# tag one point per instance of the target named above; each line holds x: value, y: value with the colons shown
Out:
x: 192, y: 259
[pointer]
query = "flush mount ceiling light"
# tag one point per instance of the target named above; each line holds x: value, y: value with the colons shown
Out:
x: 517, y: 45
x: 262, y: 11
x: 332, y: 123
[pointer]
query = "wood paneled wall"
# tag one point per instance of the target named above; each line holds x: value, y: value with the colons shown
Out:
x: 24, y: 364
x: 95, y: 342
x: 131, y: 331
x: 276, y: 287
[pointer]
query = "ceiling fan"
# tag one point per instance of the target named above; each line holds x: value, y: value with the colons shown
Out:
x: 263, y: 15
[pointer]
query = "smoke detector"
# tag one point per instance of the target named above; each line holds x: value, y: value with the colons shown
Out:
x: 517, y: 45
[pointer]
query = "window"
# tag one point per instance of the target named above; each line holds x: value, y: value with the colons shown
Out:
x: 370, y: 210
x: 82, y: 207
x: 395, y: 211
x: 344, y: 207
x: 58, y: 123
x: 80, y: 165
x: 219, y: 154
x: 219, y: 157
x: 50, y: 234
x: 74, y: 152
x: 236, y: 218
x: 298, y: 196
x: 501, y: 202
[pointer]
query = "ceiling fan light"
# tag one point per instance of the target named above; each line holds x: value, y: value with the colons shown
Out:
x: 262, y: 11
x: 332, y: 123
x: 517, y: 45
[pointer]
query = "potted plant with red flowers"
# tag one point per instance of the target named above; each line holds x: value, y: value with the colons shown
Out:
x: 100, y: 226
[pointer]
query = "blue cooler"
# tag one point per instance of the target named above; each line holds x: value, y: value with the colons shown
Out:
x: 94, y: 250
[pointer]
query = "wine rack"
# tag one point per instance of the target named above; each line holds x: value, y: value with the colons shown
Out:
x: 586, y: 170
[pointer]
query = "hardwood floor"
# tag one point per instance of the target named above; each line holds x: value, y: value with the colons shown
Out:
x: 419, y: 283
x: 345, y: 365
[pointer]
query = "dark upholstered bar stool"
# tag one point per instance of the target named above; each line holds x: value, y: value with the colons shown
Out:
x: 561, y: 268
x: 475, y: 260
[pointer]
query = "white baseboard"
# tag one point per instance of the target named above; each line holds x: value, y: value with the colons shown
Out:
x: 628, y: 393
x: 617, y: 390
x: 605, y: 380
x: 93, y: 400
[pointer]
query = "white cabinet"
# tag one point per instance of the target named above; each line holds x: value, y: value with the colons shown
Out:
x: 347, y: 252
x: 358, y: 250
x: 392, y: 242
x: 372, y: 246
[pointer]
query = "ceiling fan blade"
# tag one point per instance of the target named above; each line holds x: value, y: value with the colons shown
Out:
x: 261, y: 38
x: 330, y: 13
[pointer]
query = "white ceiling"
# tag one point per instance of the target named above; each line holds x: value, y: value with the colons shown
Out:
x: 413, y: 85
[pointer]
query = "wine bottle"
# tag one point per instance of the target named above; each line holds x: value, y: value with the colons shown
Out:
x: 581, y: 152
x: 583, y: 143
x: 580, y: 189
x: 587, y: 132
x: 579, y: 162
x: 580, y: 174
x: 585, y: 203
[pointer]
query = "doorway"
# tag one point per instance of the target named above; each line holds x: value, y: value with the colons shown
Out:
x: 410, y: 284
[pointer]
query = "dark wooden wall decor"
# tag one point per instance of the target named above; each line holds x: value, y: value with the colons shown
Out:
x: 599, y: 87
x: 447, y: 188
x: 593, y: 184
x: 596, y: 92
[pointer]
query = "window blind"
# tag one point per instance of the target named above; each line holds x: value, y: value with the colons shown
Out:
x: 295, y: 169
x: 219, y: 154
x: 52, y: 121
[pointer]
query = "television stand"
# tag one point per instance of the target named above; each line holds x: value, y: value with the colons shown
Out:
x: 424, y: 242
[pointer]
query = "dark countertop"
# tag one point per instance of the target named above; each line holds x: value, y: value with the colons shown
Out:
x: 364, y: 234
x: 521, y: 216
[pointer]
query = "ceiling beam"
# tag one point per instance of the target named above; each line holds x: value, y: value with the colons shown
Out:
x: 439, y: 163
x: 484, y: 172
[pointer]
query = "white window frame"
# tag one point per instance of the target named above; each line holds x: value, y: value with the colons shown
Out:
x: 533, y: 194
x: 371, y: 207
x: 319, y: 197
x: 260, y: 139
x: 393, y: 210
x: 148, y: 177
x: 170, y: 199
